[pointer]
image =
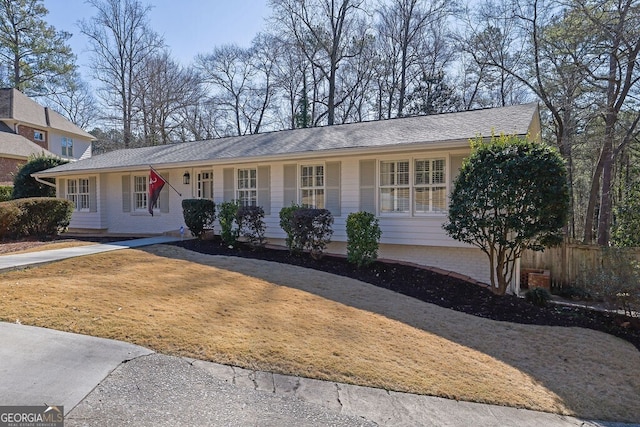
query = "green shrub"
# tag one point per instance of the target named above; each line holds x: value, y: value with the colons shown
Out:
x: 286, y: 223
x: 24, y: 185
x: 250, y: 220
x: 538, y: 296
x: 312, y: 228
x: 199, y: 215
x: 227, y: 214
x: 9, y: 219
x: 42, y: 216
x: 363, y: 236
x: 5, y: 192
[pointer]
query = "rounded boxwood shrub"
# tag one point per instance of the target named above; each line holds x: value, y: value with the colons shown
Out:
x: 41, y: 216
x: 9, y: 218
x: 199, y: 215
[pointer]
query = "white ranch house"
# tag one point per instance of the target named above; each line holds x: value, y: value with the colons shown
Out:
x: 401, y: 170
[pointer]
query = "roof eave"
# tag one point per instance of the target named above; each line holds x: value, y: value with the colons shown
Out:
x: 330, y: 153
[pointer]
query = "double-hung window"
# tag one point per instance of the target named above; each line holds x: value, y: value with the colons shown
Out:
x: 205, y: 185
x: 416, y: 186
x: 78, y: 193
x: 312, y: 186
x: 140, y: 192
x: 395, y: 189
x: 247, y: 187
x: 430, y: 190
x: 67, y: 146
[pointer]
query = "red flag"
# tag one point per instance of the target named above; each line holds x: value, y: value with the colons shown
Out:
x: 156, y: 182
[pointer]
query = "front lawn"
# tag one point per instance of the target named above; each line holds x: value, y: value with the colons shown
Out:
x: 282, y: 318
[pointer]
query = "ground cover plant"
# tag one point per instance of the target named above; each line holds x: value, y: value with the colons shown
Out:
x: 287, y: 319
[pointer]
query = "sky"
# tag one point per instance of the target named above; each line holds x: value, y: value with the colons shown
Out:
x: 189, y: 27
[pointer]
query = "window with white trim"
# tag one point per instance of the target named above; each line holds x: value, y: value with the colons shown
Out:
x: 394, y: 186
x: 430, y: 189
x: 38, y: 135
x: 205, y: 185
x: 140, y: 192
x: 78, y: 193
x: 67, y: 146
x: 312, y: 186
x: 247, y: 190
x: 415, y: 186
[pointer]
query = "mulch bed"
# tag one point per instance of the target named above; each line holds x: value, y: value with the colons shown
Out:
x: 442, y: 290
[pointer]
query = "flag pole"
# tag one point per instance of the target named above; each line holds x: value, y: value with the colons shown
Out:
x: 168, y: 183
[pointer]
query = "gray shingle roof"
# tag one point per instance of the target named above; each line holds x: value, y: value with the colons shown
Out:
x: 14, y: 105
x: 385, y: 133
x: 13, y: 145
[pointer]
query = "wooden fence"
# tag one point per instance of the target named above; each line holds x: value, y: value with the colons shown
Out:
x: 567, y: 262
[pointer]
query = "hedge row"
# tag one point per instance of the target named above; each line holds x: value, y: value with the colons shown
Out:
x: 36, y: 216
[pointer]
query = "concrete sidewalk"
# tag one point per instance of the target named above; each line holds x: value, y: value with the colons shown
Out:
x: 10, y: 262
x: 104, y: 382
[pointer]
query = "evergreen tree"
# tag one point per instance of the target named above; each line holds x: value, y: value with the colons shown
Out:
x: 36, y: 53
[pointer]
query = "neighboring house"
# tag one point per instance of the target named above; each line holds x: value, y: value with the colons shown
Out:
x: 23, y: 117
x: 15, y: 151
x: 401, y: 170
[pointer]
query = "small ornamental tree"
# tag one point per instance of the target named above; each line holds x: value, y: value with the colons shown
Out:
x: 24, y: 185
x: 511, y: 195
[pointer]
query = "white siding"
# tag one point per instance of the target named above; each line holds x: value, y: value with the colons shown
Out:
x: 138, y: 222
x: 86, y: 220
x: 81, y: 147
x: 418, y: 239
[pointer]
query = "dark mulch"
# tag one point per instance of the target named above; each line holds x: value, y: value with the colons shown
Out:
x: 445, y: 291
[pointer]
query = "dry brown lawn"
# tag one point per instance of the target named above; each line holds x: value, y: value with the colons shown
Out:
x: 285, y: 319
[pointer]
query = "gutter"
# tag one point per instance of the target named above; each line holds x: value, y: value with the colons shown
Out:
x: 42, y: 181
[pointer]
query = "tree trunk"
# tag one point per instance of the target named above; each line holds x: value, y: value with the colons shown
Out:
x: 591, y: 206
x: 604, y: 219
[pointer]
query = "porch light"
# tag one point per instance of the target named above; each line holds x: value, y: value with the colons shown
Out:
x: 186, y: 178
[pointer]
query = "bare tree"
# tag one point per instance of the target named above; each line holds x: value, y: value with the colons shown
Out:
x: 290, y: 75
x: 495, y: 53
x: 327, y: 32
x: 73, y: 98
x: 404, y: 30
x: 228, y: 71
x: 121, y: 42
x: 164, y: 89
x: 34, y: 52
x: 618, y: 25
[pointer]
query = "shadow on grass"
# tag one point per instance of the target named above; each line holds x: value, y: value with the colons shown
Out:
x: 594, y: 374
